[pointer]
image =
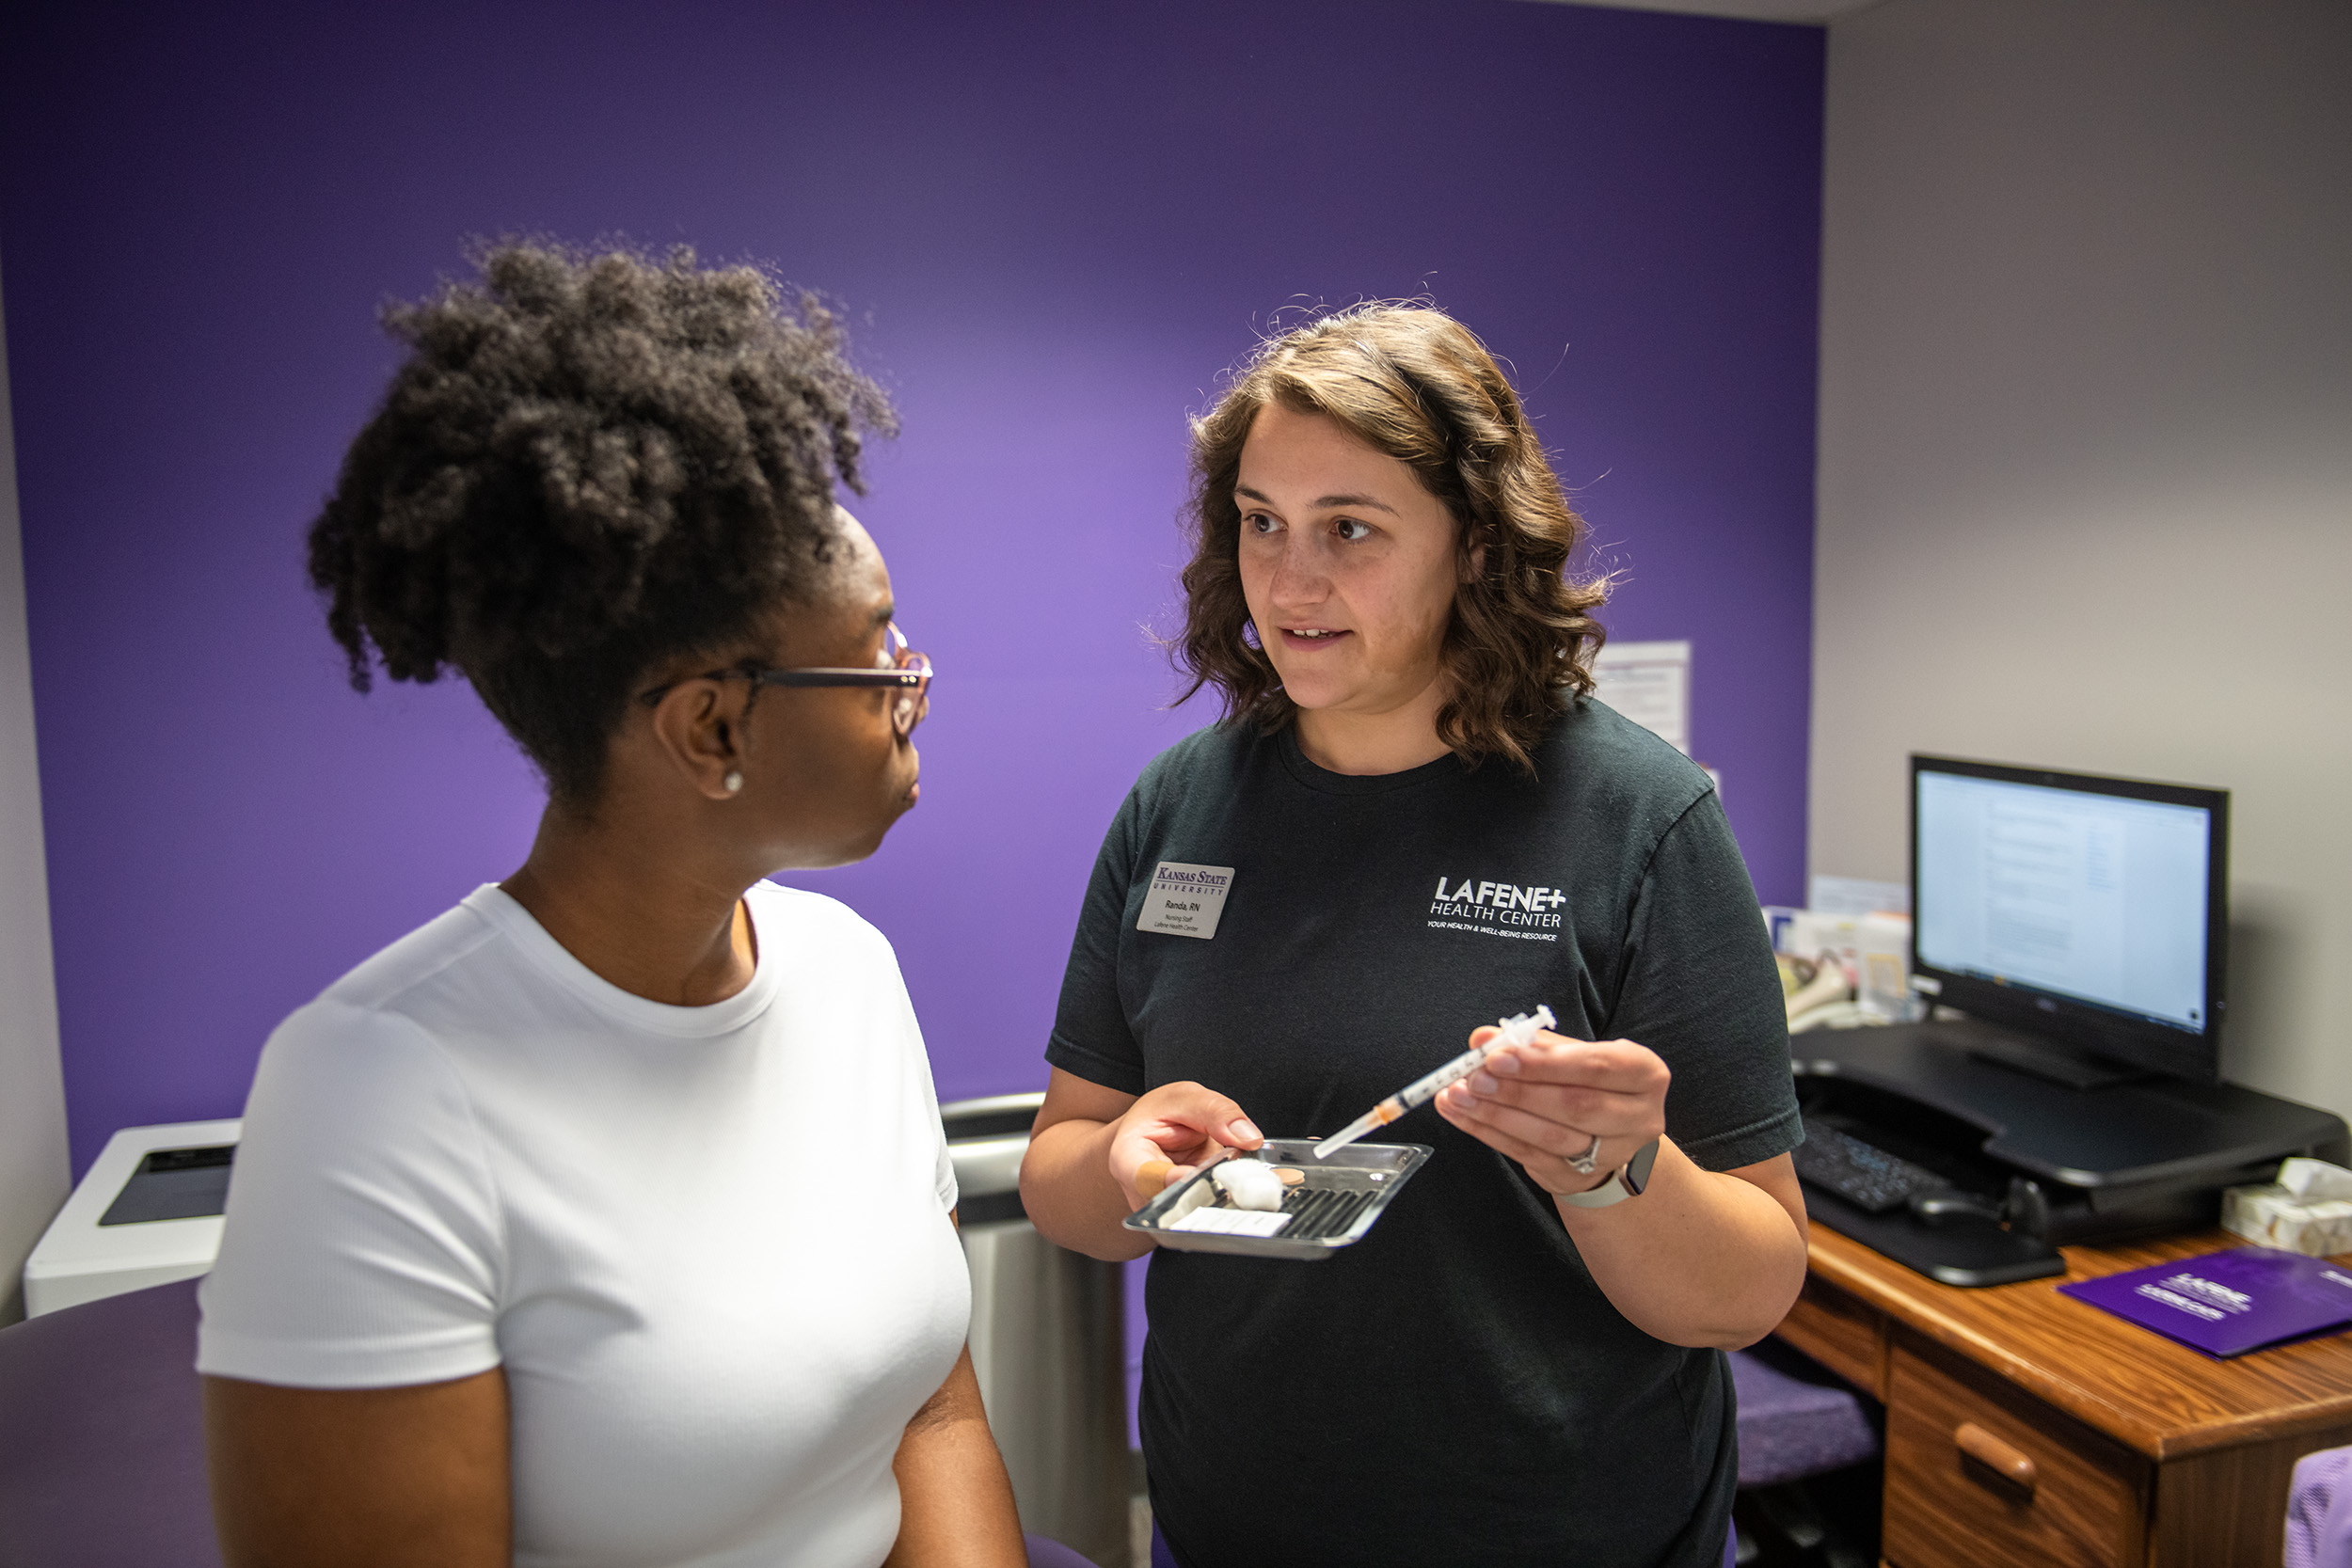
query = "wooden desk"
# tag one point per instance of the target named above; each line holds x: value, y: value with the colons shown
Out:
x: 2025, y: 1427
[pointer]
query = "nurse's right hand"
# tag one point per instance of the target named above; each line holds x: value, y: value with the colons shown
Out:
x: 1096, y: 1155
x: 1165, y: 1136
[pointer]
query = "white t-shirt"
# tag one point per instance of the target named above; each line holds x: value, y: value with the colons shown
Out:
x: 709, y: 1246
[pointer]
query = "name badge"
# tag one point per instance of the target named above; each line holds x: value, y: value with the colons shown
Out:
x: 1185, y: 900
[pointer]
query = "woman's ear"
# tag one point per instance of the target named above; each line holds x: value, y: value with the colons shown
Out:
x: 698, y: 729
x: 1475, y: 558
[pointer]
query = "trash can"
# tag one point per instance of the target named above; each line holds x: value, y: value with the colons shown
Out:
x: 1047, y: 1340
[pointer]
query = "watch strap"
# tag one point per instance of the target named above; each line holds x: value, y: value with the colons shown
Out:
x: 1626, y: 1181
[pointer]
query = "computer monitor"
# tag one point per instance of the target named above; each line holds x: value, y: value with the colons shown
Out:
x: 2087, y: 917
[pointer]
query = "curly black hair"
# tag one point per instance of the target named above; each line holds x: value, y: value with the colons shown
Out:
x: 591, y: 464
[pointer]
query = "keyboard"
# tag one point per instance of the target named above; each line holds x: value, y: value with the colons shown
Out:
x: 1863, y: 1174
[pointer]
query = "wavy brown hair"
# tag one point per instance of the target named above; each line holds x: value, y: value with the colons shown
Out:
x: 1414, y: 383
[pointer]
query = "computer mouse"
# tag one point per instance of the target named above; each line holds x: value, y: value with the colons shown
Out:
x: 1948, y: 1207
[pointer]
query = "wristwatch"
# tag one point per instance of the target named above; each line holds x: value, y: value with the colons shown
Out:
x: 1626, y: 1181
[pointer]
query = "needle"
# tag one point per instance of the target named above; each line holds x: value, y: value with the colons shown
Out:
x: 1518, y: 1030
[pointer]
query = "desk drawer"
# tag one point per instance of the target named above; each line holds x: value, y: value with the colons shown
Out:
x: 1979, y: 1472
x: 1841, y: 1334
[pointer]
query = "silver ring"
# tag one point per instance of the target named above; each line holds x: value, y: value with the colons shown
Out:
x: 1588, y: 1161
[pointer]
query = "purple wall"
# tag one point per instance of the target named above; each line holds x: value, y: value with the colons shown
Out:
x: 1055, y: 223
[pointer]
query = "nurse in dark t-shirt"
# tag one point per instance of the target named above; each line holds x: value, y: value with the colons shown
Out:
x: 1426, y: 823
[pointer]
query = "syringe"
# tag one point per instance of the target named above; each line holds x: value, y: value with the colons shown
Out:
x: 1518, y: 1030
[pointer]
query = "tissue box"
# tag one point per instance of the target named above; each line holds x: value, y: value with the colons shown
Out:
x: 2272, y: 1216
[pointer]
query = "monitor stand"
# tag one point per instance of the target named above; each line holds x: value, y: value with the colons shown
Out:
x: 2055, y: 1064
x: 2126, y: 1159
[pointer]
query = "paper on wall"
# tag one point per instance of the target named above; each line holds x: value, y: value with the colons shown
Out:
x: 1650, y: 683
x: 1855, y: 895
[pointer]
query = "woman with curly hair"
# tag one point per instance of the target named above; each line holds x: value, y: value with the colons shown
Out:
x: 1422, y: 819
x: 607, y: 1219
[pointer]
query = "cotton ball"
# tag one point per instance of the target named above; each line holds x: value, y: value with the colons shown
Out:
x: 1250, y: 1184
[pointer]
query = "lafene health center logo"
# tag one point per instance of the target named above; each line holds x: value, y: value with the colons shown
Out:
x: 1498, y: 910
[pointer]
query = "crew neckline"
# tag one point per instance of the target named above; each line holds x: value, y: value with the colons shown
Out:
x: 507, y: 915
x: 1312, y: 776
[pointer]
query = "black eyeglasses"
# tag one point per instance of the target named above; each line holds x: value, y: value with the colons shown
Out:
x: 896, y: 665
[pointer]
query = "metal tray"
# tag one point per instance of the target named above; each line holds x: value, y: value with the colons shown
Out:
x: 1335, y: 1206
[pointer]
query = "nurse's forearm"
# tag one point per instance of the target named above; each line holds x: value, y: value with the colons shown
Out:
x: 1701, y: 1258
x: 1067, y: 1188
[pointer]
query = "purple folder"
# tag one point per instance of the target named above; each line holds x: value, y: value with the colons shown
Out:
x: 2228, y: 1303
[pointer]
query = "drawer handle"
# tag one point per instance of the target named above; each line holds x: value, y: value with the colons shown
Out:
x: 2012, y: 1465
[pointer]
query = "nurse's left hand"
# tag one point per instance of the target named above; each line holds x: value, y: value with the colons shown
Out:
x: 1543, y: 1103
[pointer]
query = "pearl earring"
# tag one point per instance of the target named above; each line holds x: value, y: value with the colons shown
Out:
x: 733, y: 783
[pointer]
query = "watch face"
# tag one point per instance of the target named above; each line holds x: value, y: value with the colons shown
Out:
x: 1636, y: 1174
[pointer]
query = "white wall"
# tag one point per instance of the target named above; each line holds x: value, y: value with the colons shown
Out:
x: 2086, y: 456
x: 33, y: 1167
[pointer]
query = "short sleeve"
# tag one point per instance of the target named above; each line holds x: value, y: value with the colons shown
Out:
x: 1090, y: 1036
x: 362, y: 1247
x: 927, y: 1112
x: 1699, y: 988
x: 943, y: 1178
x: 921, y: 1106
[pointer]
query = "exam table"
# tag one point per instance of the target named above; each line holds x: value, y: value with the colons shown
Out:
x: 102, y: 1439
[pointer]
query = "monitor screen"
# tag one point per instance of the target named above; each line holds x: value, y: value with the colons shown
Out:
x: 2079, y: 901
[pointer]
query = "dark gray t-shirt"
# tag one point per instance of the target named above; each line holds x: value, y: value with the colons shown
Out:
x: 1454, y: 1387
